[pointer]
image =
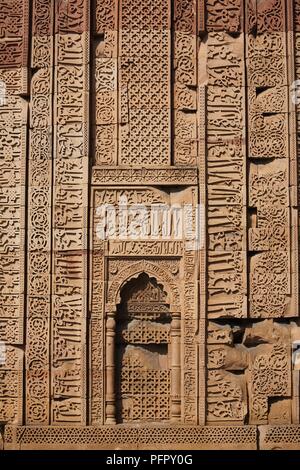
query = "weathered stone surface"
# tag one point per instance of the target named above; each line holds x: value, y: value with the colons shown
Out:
x: 149, y: 270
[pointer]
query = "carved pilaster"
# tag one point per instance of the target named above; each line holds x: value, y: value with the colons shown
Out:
x: 176, y: 389
x: 110, y: 368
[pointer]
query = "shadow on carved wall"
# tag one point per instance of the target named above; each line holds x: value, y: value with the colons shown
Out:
x: 142, y: 352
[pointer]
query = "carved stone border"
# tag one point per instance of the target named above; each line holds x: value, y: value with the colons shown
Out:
x: 149, y: 176
x: 131, y: 437
x: 279, y: 437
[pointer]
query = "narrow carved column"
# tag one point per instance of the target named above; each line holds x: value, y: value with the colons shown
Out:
x: 110, y: 369
x: 175, y: 368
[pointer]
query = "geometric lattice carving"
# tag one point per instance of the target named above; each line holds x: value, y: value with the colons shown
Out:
x: 206, y: 437
x: 144, y: 83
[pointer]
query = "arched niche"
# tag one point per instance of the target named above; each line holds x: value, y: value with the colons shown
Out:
x: 143, y: 382
x: 153, y: 270
x: 143, y: 353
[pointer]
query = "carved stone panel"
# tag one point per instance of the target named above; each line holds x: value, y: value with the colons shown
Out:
x: 13, y: 154
x: 165, y: 260
x: 70, y: 215
x: 149, y: 240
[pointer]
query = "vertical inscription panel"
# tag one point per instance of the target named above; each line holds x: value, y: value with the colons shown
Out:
x: 39, y: 217
x: 13, y: 159
x: 70, y: 221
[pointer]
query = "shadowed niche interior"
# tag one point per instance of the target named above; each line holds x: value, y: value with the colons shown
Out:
x: 142, y: 352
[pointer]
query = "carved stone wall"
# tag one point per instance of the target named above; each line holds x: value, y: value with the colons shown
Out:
x: 111, y: 110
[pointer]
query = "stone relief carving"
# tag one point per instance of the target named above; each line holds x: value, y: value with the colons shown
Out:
x: 224, y: 15
x: 161, y: 103
x: 14, y: 26
x: 253, y: 356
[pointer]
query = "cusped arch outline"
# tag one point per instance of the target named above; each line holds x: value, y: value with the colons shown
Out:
x: 133, y: 272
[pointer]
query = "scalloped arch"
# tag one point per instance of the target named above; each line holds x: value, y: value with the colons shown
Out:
x: 133, y: 272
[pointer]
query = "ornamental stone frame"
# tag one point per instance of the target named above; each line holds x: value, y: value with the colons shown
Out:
x: 174, y: 300
x: 175, y: 333
x: 160, y: 102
